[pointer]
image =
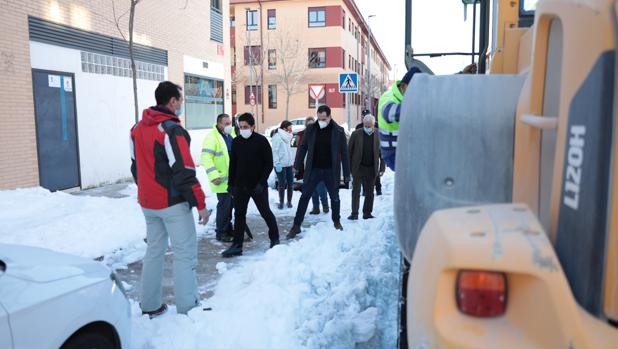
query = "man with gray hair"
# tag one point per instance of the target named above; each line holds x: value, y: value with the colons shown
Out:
x: 365, y: 165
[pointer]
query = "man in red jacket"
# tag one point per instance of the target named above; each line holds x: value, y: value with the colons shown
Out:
x: 167, y: 189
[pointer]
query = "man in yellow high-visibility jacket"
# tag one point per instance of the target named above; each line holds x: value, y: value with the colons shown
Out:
x: 389, y: 111
x: 216, y: 161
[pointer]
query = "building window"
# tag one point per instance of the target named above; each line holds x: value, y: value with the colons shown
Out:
x: 343, y: 19
x: 111, y: 65
x: 317, y: 58
x: 253, y: 55
x: 252, y: 20
x: 232, y: 22
x: 317, y: 17
x: 350, y: 24
x: 272, y: 96
x: 272, y: 59
x: 322, y: 100
x: 215, y: 5
x: 203, y: 101
x: 234, y: 94
x: 257, y: 90
x: 343, y: 59
x: 272, y: 19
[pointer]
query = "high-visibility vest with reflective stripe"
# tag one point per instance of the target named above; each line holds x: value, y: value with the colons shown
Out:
x: 216, y: 159
x: 392, y: 95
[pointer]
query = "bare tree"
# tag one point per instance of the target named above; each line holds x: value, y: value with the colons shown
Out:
x: 117, y: 19
x: 292, y: 65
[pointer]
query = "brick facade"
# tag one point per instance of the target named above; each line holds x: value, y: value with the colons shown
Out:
x: 335, y: 38
x: 164, y: 24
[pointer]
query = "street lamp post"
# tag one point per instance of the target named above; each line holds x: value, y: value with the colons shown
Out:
x: 250, y: 52
x: 369, y: 94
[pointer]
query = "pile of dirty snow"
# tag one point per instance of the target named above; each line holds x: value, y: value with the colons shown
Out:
x: 328, y: 289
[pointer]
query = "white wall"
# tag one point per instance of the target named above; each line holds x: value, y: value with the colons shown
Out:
x: 104, y: 113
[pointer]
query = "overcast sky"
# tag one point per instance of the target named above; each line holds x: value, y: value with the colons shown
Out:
x: 438, y: 25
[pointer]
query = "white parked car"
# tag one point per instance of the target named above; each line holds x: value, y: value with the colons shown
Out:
x: 298, y: 125
x: 56, y: 300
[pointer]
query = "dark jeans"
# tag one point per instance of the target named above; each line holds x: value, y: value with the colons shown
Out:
x: 224, y: 214
x: 319, y: 194
x: 365, y: 178
x: 309, y: 186
x: 241, y: 201
x: 285, y: 178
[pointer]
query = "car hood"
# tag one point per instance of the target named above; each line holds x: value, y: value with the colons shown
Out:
x: 41, y: 265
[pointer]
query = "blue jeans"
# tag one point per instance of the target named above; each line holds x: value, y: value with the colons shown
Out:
x: 224, y: 214
x: 285, y: 178
x: 309, y: 186
x: 318, y: 195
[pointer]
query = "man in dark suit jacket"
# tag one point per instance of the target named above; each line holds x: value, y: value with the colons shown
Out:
x: 326, y: 148
x: 364, y: 148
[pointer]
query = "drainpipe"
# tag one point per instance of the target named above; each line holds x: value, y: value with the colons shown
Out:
x: 262, y: 60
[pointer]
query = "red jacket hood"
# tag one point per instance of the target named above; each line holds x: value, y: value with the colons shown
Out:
x: 157, y: 115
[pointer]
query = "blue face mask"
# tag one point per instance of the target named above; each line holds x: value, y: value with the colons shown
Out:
x: 180, y: 110
x: 368, y: 130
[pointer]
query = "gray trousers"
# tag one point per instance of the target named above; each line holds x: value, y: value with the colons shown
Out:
x: 177, y: 223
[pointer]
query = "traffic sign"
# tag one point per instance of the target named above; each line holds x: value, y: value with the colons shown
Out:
x: 252, y: 99
x: 316, y: 91
x: 348, y: 82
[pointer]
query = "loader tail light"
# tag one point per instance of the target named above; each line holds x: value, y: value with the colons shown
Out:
x: 481, y: 293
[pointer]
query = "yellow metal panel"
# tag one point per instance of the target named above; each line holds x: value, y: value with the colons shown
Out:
x: 611, y: 264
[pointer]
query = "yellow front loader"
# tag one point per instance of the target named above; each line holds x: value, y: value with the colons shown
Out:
x: 507, y: 185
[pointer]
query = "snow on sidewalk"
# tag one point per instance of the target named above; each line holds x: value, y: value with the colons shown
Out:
x: 86, y: 226
x: 80, y: 225
x: 328, y: 289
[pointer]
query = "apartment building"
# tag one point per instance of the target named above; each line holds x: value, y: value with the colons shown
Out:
x: 281, y: 47
x: 68, y: 91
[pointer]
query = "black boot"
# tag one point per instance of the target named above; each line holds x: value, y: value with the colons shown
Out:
x: 281, y: 196
x: 290, y: 194
x: 274, y: 243
x: 316, y: 210
x: 326, y: 209
x: 353, y: 217
x: 232, y: 251
x: 338, y: 225
x: 368, y: 216
x: 225, y: 237
x: 293, y: 232
x: 153, y: 314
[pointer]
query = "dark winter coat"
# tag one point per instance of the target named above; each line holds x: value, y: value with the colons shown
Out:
x: 339, y: 151
x: 356, y: 152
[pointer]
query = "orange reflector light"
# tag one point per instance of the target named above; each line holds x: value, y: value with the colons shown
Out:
x: 481, y: 293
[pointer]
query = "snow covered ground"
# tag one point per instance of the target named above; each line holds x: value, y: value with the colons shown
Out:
x: 327, y: 289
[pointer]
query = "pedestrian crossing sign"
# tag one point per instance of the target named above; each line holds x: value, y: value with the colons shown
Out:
x: 348, y: 82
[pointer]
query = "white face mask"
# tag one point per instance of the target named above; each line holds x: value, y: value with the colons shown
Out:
x: 323, y: 123
x: 228, y: 129
x: 246, y: 133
